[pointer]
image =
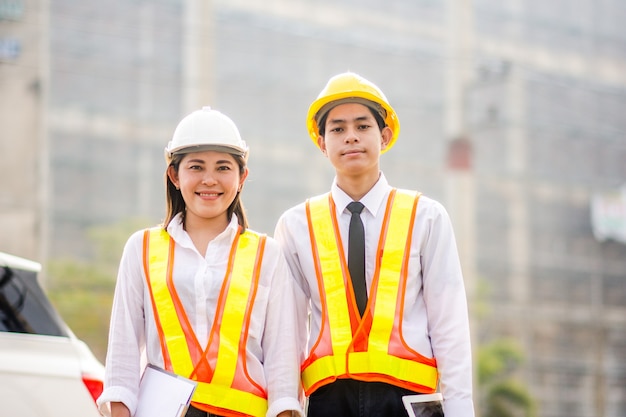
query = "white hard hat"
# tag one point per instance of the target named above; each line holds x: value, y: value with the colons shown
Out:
x: 205, y: 130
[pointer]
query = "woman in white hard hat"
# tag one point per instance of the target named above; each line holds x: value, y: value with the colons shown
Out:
x: 203, y: 296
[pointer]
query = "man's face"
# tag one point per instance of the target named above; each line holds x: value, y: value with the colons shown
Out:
x: 353, y: 141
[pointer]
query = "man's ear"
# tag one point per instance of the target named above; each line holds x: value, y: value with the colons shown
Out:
x: 322, y: 144
x: 386, y: 135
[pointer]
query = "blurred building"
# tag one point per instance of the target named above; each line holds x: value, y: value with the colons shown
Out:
x: 511, y: 114
x: 22, y: 148
x: 545, y: 115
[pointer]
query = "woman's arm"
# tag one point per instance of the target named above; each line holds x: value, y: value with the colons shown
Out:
x: 119, y: 410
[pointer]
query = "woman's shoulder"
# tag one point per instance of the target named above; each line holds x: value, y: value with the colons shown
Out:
x: 137, y: 237
x: 258, y: 234
x: 270, y: 242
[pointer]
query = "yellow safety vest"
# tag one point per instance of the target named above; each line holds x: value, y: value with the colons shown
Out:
x: 370, y: 348
x: 224, y: 385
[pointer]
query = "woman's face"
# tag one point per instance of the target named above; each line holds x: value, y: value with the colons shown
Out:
x: 209, y: 182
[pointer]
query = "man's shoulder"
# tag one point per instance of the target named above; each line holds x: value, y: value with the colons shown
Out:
x: 300, y: 208
x: 293, y: 210
x: 425, y: 202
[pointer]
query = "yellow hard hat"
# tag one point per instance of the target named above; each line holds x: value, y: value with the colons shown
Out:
x: 351, y: 87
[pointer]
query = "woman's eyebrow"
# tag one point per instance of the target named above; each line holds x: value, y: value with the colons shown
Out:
x: 196, y: 161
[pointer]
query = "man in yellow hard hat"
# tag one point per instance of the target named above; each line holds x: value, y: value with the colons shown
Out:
x: 383, y: 308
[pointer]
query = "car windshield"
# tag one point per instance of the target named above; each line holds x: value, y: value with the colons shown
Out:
x: 24, y: 308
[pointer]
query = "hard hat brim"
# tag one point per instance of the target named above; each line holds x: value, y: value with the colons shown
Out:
x: 234, y: 150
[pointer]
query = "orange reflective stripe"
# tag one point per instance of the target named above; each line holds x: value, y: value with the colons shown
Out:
x: 234, y: 312
x: 146, y: 268
x: 327, y: 358
x: 223, y: 399
x: 159, y: 244
x: 248, y: 318
x: 224, y: 382
x: 340, y: 353
x: 335, y: 291
x: 334, y: 274
x: 386, y: 330
x: 391, y: 263
x: 214, y: 335
x: 382, y: 367
x: 160, y: 264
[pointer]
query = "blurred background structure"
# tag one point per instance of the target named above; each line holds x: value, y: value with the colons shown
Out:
x: 513, y: 115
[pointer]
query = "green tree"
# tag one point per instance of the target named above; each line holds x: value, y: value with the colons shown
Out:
x: 83, y: 294
x: 82, y: 291
x: 501, y: 394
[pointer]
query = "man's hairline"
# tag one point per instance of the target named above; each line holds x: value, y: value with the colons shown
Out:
x: 375, y: 115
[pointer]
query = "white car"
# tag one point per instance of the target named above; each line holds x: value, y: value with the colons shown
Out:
x: 45, y: 370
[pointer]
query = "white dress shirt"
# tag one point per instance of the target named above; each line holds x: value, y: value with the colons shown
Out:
x: 435, y: 321
x: 271, y: 354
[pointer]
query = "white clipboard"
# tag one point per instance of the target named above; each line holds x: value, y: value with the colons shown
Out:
x: 424, y: 405
x: 163, y: 393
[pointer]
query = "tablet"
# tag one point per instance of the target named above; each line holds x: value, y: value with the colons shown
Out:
x: 163, y: 393
x: 424, y: 405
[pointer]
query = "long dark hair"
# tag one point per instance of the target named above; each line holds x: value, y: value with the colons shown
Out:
x: 176, y: 204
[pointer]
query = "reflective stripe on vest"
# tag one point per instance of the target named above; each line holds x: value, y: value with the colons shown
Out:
x: 224, y: 385
x: 371, y: 348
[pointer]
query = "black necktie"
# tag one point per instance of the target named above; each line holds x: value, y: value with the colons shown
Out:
x: 356, y: 255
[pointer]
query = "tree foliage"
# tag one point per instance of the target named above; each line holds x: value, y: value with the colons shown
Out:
x: 501, y: 394
x: 82, y: 291
x: 499, y: 362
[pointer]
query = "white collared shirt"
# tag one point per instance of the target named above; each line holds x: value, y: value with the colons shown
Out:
x: 435, y: 321
x: 272, y: 357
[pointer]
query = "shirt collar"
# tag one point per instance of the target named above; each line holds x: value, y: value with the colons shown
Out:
x: 180, y: 235
x: 372, y: 200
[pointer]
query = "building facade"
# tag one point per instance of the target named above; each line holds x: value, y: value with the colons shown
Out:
x: 533, y: 92
x: 22, y: 145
